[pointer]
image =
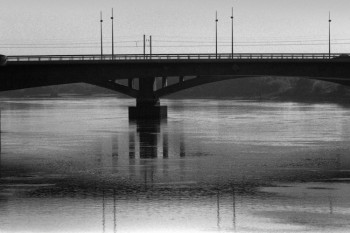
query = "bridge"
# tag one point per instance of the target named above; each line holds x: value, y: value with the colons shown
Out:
x: 146, y: 76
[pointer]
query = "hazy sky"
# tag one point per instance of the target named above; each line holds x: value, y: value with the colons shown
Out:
x: 176, y: 26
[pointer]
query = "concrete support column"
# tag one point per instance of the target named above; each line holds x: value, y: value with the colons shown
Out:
x: 181, y: 79
x: 164, y: 82
x: 131, y: 83
x: 146, y: 96
x: 147, y: 104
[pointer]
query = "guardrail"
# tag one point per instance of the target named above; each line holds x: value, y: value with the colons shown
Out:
x: 202, y: 56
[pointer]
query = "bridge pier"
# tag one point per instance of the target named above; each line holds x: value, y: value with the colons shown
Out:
x: 147, y: 103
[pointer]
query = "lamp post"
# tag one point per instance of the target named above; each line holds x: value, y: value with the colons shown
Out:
x: 216, y: 35
x: 144, y: 45
x: 232, y: 34
x: 101, y: 21
x: 329, y: 35
x: 112, y: 18
x: 150, y: 45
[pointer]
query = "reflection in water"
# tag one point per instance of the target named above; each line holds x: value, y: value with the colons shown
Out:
x: 236, y: 167
x: 0, y: 154
x: 108, y: 212
x: 330, y: 205
x: 103, y: 212
x: 165, y: 145
x: 0, y: 140
x: 148, y: 132
x: 114, y: 212
x: 182, y: 147
x: 218, y: 211
x: 220, y: 207
x: 148, y: 135
x: 131, y: 144
x: 115, y: 146
x: 234, y: 209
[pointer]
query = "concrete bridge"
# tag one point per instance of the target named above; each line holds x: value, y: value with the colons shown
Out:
x: 142, y: 71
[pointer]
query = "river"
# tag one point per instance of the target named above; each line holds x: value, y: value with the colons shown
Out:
x: 79, y: 165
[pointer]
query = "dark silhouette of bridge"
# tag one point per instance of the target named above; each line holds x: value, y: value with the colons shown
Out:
x: 142, y: 72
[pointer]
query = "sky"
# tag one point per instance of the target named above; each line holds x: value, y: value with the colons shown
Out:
x: 34, y: 27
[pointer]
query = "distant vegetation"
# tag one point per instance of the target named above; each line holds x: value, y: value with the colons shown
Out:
x: 295, y: 89
x: 273, y: 88
x: 76, y: 89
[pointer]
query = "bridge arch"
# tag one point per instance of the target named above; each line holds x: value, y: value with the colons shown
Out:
x: 34, y: 71
x: 202, y: 80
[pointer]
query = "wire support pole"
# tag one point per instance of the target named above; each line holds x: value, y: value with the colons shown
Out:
x: 112, y: 18
x: 144, y: 45
x: 329, y: 35
x: 216, y: 35
x: 101, y: 22
x: 232, y: 33
x: 150, y: 45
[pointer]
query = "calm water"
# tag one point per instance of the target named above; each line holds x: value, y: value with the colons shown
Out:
x: 79, y: 165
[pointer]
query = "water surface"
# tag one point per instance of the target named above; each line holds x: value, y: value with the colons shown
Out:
x: 79, y: 165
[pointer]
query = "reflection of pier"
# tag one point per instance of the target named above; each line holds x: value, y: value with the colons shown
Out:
x: 152, y: 138
x: 165, y: 145
x: 0, y: 157
x: 0, y: 142
x: 148, y: 141
x: 143, y: 150
x: 148, y: 135
x: 145, y: 140
x: 182, y: 147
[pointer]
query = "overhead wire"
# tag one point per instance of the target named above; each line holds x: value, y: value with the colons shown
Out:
x: 168, y: 43
x: 207, y: 44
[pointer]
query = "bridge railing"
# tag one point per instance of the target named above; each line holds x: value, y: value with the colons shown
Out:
x: 201, y: 56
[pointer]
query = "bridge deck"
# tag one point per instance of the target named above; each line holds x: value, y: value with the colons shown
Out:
x: 42, y: 70
x: 202, y: 56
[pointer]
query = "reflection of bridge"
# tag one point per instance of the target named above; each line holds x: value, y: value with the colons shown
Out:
x: 146, y: 75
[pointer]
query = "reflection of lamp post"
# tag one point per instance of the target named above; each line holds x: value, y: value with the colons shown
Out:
x: 103, y: 212
x: 216, y: 35
x: 112, y: 18
x: 101, y: 21
x: 329, y: 36
x: 114, y: 212
x: 232, y: 33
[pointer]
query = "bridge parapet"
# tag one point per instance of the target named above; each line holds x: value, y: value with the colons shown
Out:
x: 200, y: 56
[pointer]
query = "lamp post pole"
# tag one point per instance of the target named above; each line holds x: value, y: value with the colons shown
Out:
x: 101, y: 21
x: 150, y: 45
x: 216, y: 35
x: 144, y: 45
x: 329, y: 35
x: 232, y: 34
x: 112, y: 18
